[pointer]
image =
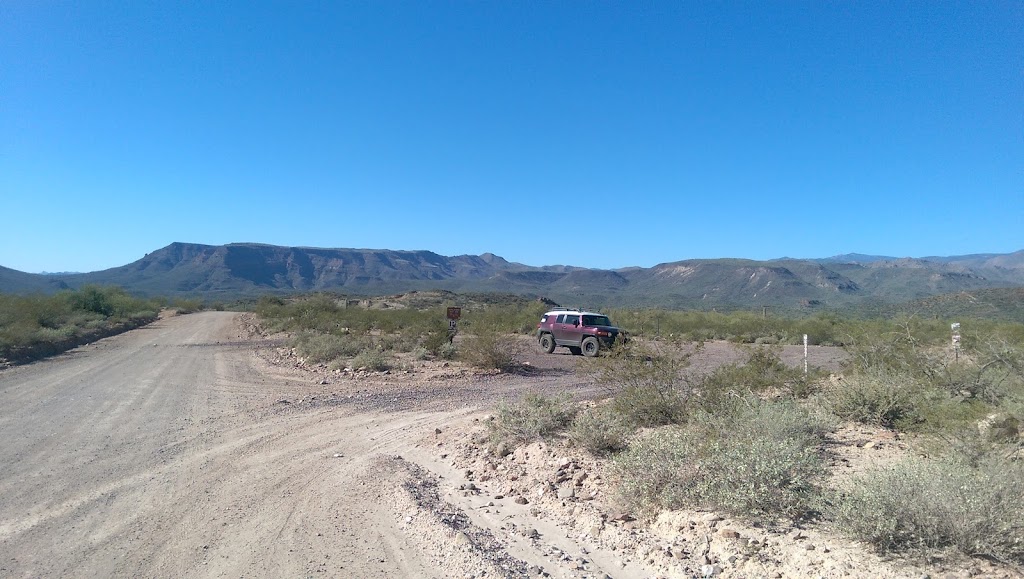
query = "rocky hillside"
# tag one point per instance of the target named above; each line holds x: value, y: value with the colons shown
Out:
x: 246, y: 269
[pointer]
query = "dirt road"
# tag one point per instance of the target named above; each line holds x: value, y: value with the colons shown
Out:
x: 160, y: 453
x: 176, y: 451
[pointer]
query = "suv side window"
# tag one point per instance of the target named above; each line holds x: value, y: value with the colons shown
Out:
x: 560, y: 319
x: 572, y: 319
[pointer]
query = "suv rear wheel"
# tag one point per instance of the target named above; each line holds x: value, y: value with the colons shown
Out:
x: 590, y: 346
x: 547, y: 343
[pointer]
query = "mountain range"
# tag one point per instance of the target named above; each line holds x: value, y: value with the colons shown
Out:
x: 241, y: 270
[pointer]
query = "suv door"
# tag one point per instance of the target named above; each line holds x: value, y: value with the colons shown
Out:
x: 569, y: 330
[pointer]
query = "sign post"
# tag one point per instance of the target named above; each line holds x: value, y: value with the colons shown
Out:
x: 453, y: 315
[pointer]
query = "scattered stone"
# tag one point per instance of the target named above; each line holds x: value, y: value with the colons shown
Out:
x: 521, y: 500
x: 710, y: 570
x: 998, y: 427
x: 622, y: 516
x: 729, y: 533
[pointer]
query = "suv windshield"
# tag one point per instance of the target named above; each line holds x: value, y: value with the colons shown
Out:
x: 596, y: 321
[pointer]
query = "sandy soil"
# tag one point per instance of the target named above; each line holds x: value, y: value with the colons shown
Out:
x: 195, y: 447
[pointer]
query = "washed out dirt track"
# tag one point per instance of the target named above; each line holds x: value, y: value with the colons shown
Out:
x: 170, y: 451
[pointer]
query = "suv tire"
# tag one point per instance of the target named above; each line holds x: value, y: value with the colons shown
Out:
x: 590, y: 346
x: 547, y: 343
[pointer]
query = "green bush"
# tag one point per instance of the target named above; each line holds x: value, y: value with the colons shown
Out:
x: 447, y: 351
x: 600, y: 431
x: 875, y: 397
x: 490, y: 351
x: 33, y: 326
x: 372, y: 360
x: 320, y: 348
x: 647, y: 388
x: 761, y: 463
x: 533, y: 417
x: 919, y: 505
x: 436, y: 340
x: 763, y: 373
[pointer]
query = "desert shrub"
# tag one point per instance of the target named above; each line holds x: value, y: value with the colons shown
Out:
x: 419, y: 353
x: 761, y: 464
x: 762, y: 373
x: 875, y: 397
x: 447, y: 351
x: 600, y: 431
x: 187, y: 306
x: 990, y: 371
x: 490, y: 351
x: 435, y: 340
x: 898, y: 379
x: 37, y: 325
x: 317, y: 348
x: 646, y: 387
x: 919, y: 504
x: 92, y: 299
x: 533, y: 417
x: 372, y: 360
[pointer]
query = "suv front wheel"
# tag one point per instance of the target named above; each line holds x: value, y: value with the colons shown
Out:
x: 547, y: 343
x: 590, y: 346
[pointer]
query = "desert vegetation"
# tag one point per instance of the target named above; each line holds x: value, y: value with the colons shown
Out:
x: 37, y: 325
x: 752, y: 440
x: 382, y: 335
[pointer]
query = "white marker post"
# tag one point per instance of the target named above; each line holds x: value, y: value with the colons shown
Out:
x: 955, y: 329
x: 805, y: 353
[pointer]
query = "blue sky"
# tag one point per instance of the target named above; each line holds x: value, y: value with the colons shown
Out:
x: 596, y: 134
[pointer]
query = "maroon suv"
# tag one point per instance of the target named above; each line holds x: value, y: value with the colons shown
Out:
x: 582, y: 332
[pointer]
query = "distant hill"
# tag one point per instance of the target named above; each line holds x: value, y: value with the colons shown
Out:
x: 248, y: 269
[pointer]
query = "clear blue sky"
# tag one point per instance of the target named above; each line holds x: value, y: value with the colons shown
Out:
x: 595, y: 134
